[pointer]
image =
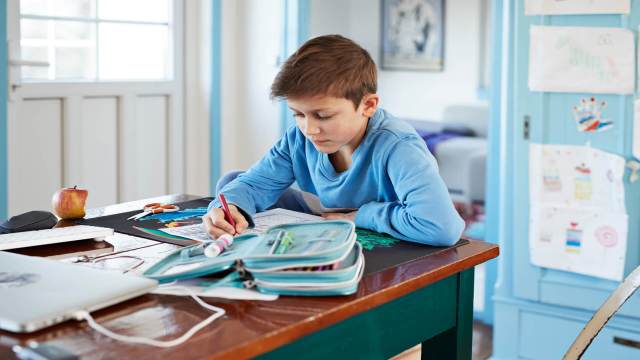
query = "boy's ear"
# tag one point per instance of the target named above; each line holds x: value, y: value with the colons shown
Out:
x: 369, y: 104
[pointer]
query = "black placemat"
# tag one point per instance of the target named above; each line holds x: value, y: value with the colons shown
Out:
x: 380, y: 258
x: 119, y: 223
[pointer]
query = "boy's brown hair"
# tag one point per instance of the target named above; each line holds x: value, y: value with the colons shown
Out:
x: 330, y: 65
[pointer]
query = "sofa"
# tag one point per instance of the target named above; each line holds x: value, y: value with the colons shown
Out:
x: 459, y: 144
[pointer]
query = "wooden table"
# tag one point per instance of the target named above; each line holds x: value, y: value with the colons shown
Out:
x: 428, y: 301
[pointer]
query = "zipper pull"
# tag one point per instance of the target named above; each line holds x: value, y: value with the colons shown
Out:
x: 242, y: 272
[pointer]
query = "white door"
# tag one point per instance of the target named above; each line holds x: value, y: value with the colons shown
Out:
x: 95, y: 100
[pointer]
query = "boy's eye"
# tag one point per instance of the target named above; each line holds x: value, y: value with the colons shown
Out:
x: 323, y: 117
x: 298, y: 115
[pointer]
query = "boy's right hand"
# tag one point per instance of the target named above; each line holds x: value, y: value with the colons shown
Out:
x: 216, y: 225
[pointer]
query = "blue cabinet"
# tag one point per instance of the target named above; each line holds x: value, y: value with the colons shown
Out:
x: 538, y: 312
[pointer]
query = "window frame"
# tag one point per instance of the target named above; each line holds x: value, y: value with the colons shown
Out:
x: 170, y: 61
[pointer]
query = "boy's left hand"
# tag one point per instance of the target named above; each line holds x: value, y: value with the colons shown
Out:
x: 341, y: 216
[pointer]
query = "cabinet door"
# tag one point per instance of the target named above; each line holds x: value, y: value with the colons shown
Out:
x: 547, y: 118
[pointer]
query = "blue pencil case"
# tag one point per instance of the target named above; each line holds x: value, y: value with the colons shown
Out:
x: 309, y: 259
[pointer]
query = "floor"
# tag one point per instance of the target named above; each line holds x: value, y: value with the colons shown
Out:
x: 481, y: 350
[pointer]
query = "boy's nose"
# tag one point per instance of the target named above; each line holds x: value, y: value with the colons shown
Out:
x: 311, y: 128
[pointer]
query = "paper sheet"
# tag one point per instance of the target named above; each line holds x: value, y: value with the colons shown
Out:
x: 576, y: 176
x: 566, y: 7
x: 581, y: 59
x: 583, y: 241
x: 135, y: 261
x: 263, y: 221
x: 577, y: 220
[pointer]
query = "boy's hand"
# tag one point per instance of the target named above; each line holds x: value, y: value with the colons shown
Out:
x: 216, y: 225
x: 341, y: 216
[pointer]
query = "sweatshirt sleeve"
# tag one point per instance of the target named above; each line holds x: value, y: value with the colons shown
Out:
x: 424, y: 212
x: 259, y: 187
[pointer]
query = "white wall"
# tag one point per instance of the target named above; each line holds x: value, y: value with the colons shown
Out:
x: 231, y: 63
x: 251, y: 39
x: 412, y: 94
x: 197, y: 94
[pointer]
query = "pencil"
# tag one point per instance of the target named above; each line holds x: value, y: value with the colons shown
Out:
x: 227, y: 212
x: 276, y: 242
x: 285, y: 243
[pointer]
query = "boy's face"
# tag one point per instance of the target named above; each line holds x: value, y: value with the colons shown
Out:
x: 331, y: 123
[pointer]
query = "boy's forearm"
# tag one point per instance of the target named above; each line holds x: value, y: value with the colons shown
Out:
x: 443, y: 229
x: 236, y: 195
x: 424, y: 212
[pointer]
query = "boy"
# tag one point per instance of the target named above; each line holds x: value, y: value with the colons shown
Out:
x: 344, y: 150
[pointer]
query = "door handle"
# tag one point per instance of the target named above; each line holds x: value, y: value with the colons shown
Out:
x: 20, y: 62
x: 14, y: 83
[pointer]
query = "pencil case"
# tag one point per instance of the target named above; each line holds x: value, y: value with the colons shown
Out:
x: 338, y: 278
x: 314, y: 259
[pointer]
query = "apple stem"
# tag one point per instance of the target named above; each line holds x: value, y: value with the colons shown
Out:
x: 75, y: 186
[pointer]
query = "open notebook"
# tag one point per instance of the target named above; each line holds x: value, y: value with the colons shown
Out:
x: 263, y: 221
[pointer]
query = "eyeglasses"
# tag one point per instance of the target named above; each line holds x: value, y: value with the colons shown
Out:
x: 104, y: 259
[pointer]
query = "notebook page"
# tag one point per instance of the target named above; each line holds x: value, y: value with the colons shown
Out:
x: 263, y: 221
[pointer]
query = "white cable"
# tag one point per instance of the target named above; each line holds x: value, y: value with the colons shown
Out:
x: 165, y: 344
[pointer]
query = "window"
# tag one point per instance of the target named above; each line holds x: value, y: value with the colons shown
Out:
x: 96, y: 40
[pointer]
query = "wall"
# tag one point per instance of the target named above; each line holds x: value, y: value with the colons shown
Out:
x: 412, y: 94
x: 197, y: 93
x: 3, y: 112
x: 251, y: 40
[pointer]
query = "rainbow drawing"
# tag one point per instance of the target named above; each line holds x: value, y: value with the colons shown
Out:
x: 574, y: 239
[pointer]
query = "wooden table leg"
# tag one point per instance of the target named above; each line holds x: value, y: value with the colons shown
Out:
x: 456, y: 342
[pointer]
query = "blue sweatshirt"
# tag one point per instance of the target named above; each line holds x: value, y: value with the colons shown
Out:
x: 393, y: 181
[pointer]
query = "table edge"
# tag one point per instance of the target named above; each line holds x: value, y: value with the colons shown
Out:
x: 293, y: 332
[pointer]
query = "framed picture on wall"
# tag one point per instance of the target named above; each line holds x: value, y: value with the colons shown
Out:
x: 412, y: 35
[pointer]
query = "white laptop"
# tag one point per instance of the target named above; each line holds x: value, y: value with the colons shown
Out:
x: 37, y: 292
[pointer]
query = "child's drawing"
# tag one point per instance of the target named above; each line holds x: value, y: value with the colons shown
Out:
x: 588, y: 115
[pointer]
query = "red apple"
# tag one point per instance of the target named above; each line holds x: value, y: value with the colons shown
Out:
x: 68, y: 203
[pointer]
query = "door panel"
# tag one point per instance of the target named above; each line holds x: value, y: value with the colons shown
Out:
x: 551, y: 122
x: 603, y: 346
x: 99, y: 150
x: 35, y: 155
x: 145, y: 173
